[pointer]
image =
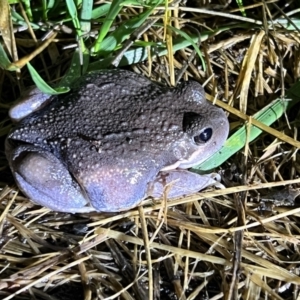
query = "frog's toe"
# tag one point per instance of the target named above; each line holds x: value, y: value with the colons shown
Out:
x: 178, y: 183
x: 43, y: 178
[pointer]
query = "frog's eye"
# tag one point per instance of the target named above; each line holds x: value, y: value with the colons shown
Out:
x: 203, y: 137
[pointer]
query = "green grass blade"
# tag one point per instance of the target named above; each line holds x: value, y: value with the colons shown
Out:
x: 139, y: 54
x: 100, y: 11
x: 72, y: 9
x: 191, y: 41
x: 4, y: 60
x: 19, y: 20
x: 115, y: 8
x: 50, y: 4
x: 86, y: 15
x: 76, y: 68
x: 122, y: 33
x: 42, y: 85
x: 241, y: 7
x: 28, y: 10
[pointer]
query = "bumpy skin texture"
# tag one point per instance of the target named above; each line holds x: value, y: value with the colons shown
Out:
x: 100, y: 146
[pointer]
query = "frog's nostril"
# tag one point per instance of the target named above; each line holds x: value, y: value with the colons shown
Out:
x: 204, y: 136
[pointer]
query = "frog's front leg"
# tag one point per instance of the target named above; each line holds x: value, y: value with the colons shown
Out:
x: 178, y: 183
x: 31, y: 100
x: 43, y: 178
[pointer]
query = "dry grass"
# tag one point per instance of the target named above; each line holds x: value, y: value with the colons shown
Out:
x: 238, y: 243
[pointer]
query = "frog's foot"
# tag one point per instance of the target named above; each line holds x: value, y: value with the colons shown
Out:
x: 43, y: 178
x: 177, y: 183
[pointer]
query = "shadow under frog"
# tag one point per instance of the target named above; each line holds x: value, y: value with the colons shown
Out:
x: 106, y: 144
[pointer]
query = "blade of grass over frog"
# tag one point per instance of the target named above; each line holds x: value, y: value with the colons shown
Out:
x: 115, y: 8
x: 4, y: 60
x: 122, y: 32
x: 266, y: 116
x: 76, y: 70
x: 72, y: 9
x: 86, y: 15
x: 187, y: 37
x: 42, y: 85
x: 140, y: 54
x: 100, y: 11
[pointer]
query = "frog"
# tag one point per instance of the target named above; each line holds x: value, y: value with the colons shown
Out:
x: 115, y: 138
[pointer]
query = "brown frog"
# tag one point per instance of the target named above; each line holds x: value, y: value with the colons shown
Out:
x: 106, y: 144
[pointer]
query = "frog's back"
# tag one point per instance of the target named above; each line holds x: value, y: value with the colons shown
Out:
x: 99, y: 104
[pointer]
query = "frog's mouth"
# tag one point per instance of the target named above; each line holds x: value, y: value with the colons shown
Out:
x: 203, y: 137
